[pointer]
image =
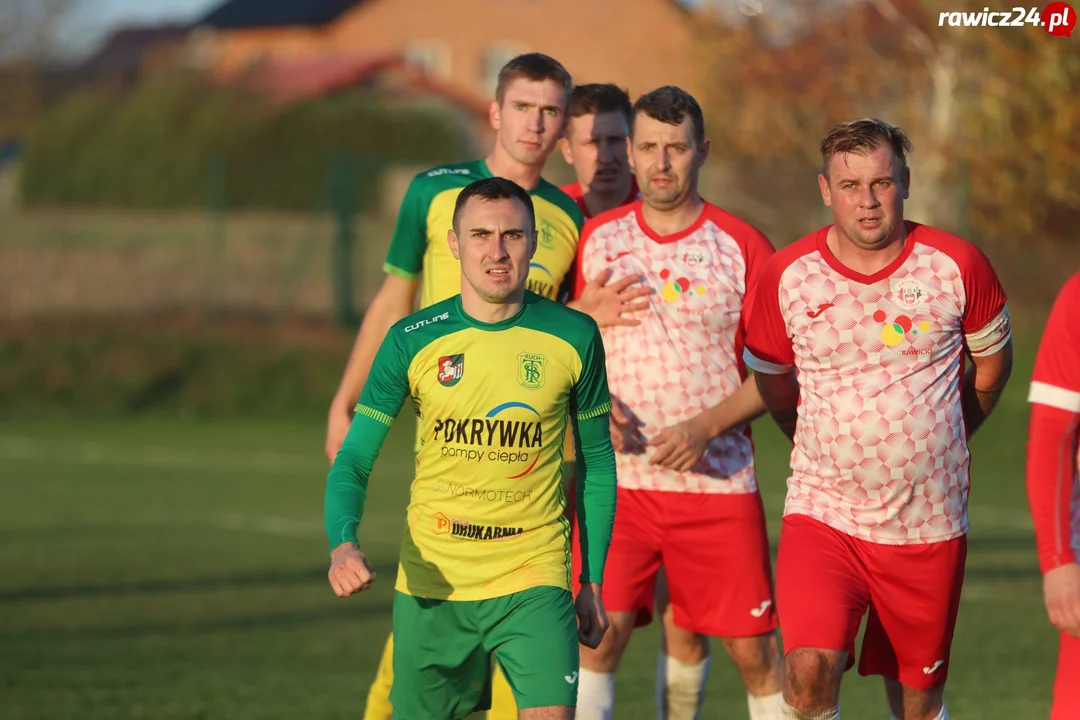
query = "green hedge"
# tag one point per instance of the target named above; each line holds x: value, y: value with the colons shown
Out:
x: 179, y: 143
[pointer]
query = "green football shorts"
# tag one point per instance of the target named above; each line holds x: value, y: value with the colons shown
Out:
x: 443, y: 652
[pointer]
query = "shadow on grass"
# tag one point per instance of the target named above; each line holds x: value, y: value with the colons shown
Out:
x: 339, y: 614
x: 306, y: 576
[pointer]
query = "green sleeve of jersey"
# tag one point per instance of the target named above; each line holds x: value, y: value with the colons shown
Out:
x: 384, y: 392
x: 596, y: 489
x: 591, y: 397
x: 346, y: 486
x: 405, y: 258
x: 596, y: 493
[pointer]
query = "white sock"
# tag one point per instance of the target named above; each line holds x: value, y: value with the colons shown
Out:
x: 943, y: 715
x: 793, y: 714
x: 595, y: 695
x: 765, y: 707
x: 680, y: 687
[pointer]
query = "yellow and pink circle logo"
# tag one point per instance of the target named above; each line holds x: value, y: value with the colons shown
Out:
x: 679, y: 287
x: 892, y: 334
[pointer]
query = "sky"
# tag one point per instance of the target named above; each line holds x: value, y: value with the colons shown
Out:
x: 92, y: 20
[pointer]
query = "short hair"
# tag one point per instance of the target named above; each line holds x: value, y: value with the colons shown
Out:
x: 596, y: 98
x: 863, y: 135
x: 493, y: 188
x: 532, y: 66
x: 672, y: 105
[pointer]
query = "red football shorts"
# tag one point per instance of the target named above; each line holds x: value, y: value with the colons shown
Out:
x: 1067, y: 686
x: 826, y: 580
x: 715, y: 553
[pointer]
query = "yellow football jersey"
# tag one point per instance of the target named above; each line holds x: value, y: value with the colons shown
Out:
x: 419, y: 248
x: 494, y: 400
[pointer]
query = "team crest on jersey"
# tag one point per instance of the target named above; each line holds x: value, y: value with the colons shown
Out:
x: 909, y: 294
x: 693, y: 258
x: 547, y: 235
x: 532, y: 369
x: 450, y: 369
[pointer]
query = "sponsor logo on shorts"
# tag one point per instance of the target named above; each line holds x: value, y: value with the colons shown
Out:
x: 933, y: 668
x: 571, y: 678
x: 466, y: 530
x: 760, y: 610
x: 508, y: 497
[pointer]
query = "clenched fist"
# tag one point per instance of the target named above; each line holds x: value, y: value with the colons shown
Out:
x: 350, y: 571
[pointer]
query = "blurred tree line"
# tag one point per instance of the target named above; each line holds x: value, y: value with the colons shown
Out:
x: 992, y: 112
x: 175, y: 140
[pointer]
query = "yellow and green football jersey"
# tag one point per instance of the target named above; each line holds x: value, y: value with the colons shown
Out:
x: 419, y: 248
x: 494, y: 401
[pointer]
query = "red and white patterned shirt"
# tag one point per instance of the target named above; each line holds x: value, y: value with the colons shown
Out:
x: 1054, y: 437
x: 880, y: 444
x: 686, y: 355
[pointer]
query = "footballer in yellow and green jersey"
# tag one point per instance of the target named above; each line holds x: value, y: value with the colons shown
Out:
x: 418, y: 249
x: 495, y: 401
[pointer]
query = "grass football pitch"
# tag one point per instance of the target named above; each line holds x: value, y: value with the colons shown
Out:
x: 177, y: 569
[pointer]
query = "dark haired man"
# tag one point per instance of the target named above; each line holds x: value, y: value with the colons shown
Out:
x: 681, y: 408
x: 595, y: 146
x: 528, y: 114
x: 499, y: 376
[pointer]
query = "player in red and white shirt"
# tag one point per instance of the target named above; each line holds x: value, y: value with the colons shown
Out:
x: 594, y: 144
x: 860, y: 339
x: 1053, y: 485
x: 688, y: 495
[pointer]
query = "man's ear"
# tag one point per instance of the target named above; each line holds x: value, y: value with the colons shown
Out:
x: 451, y: 240
x: 826, y: 194
x: 534, y: 244
x: 564, y: 146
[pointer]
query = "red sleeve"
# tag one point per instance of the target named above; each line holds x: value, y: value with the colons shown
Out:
x: 757, y: 250
x: 768, y: 346
x: 1054, y: 430
x: 985, y: 320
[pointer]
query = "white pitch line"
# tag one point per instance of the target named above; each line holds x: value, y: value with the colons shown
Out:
x: 88, y: 452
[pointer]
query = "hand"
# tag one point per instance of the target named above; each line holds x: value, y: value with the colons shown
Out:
x: 1061, y: 591
x: 337, y: 427
x: 350, y: 571
x: 680, y: 447
x: 620, y: 427
x: 607, y: 303
x: 592, y: 619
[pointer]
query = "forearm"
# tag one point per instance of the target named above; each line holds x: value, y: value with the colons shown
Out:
x: 596, y: 494
x: 980, y: 394
x: 780, y: 395
x: 742, y: 406
x: 1053, y: 435
x: 346, y: 485
x: 378, y: 320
